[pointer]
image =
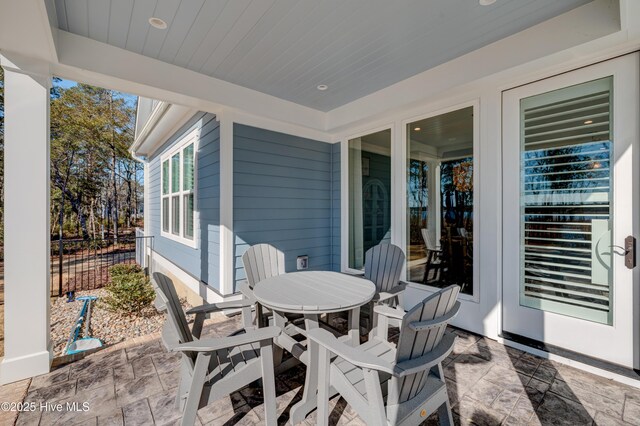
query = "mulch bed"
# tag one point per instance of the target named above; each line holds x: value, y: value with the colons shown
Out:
x: 110, y: 327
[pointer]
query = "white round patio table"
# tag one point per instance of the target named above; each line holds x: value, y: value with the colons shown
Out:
x: 313, y: 293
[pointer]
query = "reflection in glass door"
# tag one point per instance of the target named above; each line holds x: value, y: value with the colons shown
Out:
x: 369, y: 194
x: 440, y: 200
x: 566, y: 195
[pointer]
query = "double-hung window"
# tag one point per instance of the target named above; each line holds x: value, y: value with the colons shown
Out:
x: 178, y: 190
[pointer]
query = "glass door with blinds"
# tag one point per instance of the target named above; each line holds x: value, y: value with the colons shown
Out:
x: 570, y: 200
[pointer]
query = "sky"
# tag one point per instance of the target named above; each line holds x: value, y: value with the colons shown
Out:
x: 66, y: 84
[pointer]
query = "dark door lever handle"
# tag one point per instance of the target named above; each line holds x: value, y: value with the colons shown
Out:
x: 630, y: 252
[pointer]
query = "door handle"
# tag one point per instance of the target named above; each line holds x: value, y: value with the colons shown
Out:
x: 630, y: 252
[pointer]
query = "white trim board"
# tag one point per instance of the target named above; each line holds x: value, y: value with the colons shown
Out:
x: 83, y: 59
x: 165, y: 121
x: 193, y: 284
x: 249, y: 119
x: 227, y: 260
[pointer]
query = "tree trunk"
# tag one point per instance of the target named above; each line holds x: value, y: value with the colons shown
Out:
x: 114, y: 209
x: 114, y: 164
x: 92, y: 218
x: 76, y: 206
x: 135, y: 192
x: 129, y: 197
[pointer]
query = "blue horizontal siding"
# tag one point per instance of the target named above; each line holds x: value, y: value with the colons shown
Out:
x: 284, y: 194
x: 202, y: 262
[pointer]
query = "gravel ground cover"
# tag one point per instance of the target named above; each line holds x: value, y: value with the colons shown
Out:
x: 108, y: 326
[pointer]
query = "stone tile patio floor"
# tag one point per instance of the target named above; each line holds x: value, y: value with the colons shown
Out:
x: 133, y: 383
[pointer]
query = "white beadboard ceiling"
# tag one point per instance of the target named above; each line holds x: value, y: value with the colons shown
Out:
x: 286, y: 48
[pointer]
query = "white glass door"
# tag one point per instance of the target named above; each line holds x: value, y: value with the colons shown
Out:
x: 570, y: 198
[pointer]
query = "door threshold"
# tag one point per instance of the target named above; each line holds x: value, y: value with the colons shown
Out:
x: 609, y: 370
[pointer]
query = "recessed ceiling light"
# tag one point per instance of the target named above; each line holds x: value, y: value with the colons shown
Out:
x: 417, y: 129
x: 486, y: 2
x: 158, y: 23
x: 588, y: 122
x: 322, y: 87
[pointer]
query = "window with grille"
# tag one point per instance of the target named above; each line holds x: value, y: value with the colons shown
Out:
x: 178, y: 190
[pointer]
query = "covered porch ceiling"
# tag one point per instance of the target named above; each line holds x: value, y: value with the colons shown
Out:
x: 286, y: 48
x: 267, y: 58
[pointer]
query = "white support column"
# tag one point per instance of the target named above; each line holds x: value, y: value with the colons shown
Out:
x: 26, y: 215
x: 227, y: 243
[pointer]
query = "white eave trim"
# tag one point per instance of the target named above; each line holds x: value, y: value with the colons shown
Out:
x: 164, y: 121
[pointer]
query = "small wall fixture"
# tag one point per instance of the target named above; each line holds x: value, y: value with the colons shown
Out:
x: 158, y: 23
x: 322, y: 87
x: 588, y: 122
x: 302, y: 262
x: 417, y: 129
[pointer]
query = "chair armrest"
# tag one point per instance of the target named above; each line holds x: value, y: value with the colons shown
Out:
x: 389, y: 312
x: 351, y: 354
x: 395, y: 291
x: 427, y: 360
x: 425, y: 325
x: 247, y: 291
x: 210, y: 345
x: 216, y: 307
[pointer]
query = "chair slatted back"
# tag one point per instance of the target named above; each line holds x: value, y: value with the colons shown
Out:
x: 414, y: 344
x: 262, y: 261
x: 429, y: 239
x: 383, y: 265
x: 166, y: 291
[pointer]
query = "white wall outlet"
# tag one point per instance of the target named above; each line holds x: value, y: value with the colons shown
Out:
x: 303, y: 262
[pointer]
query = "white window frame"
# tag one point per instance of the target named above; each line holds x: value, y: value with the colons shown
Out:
x: 344, y: 189
x: 398, y: 126
x: 192, y: 137
x: 475, y: 104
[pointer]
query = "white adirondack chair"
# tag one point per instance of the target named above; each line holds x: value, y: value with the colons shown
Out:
x: 389, y: 385
x: 383, y: 265
x: 213, y: 368
x: 262, y: 261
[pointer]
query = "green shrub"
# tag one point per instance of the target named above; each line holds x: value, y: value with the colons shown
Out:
x: 124, y: 269
x: 129, y: 290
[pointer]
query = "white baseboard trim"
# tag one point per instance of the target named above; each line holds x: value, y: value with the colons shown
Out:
x: 24, y: 367
x: 162, y: 264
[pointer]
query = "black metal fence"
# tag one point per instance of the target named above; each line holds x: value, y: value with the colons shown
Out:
x: 84, y: 264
